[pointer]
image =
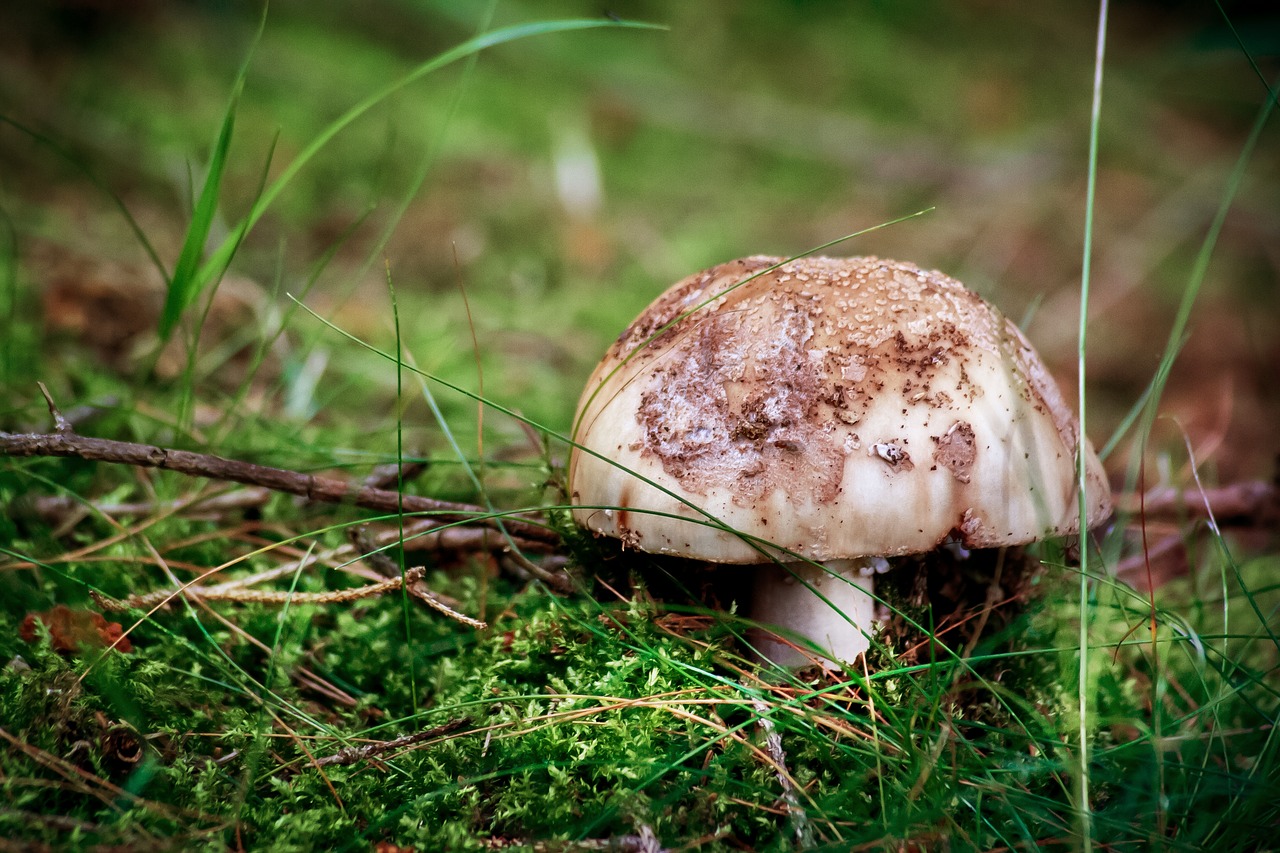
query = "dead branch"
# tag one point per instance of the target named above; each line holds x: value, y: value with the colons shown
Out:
x: 65, y: 510
x: 773, y: 745
x: 388, y: 475
x: 645, y: 841
x: 67, y: 443
x: 1247, y: 504
x: 238, y: 593
x: 354, y: 754
x: 420, y: 536
x: 440, y: 604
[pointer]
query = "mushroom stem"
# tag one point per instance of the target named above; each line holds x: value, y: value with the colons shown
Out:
x: 788, y: 597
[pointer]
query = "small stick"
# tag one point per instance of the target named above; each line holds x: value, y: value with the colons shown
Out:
x: 1244, y: 503
x: 353, y: 754
x: 386, y: 476
x: 61, y: 424
x: 262, y: 596
x: 773, y: 745
x: 435, y: 601
x: 60, y: 508
x: 66, y: 442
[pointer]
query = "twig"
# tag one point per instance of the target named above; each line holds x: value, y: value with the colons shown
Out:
x: 236, y: 591
x: 773, y: 745
x: 59, y: 509
x: 435, y: 601
x: 354, y: 754
x: 66, y: 442
x: 388, y: 475
x: 643, y: 842
x: 371, y: 553
x: 1243, y: 504
x: 61, y: 424
x: 149, y: 600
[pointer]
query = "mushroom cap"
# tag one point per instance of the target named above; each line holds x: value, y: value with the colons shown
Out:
x: 835, y: 407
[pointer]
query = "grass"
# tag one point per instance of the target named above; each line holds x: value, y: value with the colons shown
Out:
x: 1096, y: 714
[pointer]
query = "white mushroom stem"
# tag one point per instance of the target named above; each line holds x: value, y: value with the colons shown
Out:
x: 791, y: 597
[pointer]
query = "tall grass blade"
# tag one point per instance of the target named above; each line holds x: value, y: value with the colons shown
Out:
x: 9, y: 303
x: 189, y: 276
x: 1084, y: 813
x: 184, y: 287
x: 404, y: 591
x: 221, y: 257
x: 429, y: 155
x: 1150, y: 400
x: 81, y: 166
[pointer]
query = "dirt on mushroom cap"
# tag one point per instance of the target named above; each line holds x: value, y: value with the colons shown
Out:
x: 824, y: 397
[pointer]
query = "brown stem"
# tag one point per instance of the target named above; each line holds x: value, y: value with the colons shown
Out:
x: 1246, y: 503
x: 354, y: 754
x: 241, y: 595
x: 325, y: 489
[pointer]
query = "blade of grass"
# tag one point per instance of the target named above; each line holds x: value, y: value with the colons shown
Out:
x: 1084, y: 814
x: 404, y: 587
x: 184, y: 287
x: 189, y: 276
x: 81, y: 166
x: 9, y: 273
x: 186, y: 402
x: 429, y: 155
x: 222, y: 256
x: 1148, y: 403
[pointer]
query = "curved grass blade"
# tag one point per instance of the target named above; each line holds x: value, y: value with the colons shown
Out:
x: 223, y: 254
x: 190, y: 277
x: 1083, y: 809
x: 83, y: 168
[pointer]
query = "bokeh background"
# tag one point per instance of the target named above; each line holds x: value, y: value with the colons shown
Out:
x: 525, y: 206
x: 564, y: 180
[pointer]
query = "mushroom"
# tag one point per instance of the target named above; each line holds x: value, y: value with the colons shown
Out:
x: 815, y: 417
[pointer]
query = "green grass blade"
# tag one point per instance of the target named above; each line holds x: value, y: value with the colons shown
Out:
x: 1084, y: 813
x: 1150, y: 400
x: 189, y: 276
x: 83, y: 168
x: 9, y: 341
x: 222, y: 256
x: 185, y: 286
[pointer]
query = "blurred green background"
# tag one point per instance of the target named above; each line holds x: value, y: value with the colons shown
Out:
x: 561, y: 182
x: 569, y: 178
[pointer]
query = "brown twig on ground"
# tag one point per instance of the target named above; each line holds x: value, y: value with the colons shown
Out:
x: 256, y: 596
x: 388, y: 475
x: 645, y: 841
x: 1250, y: 503
x: 773, y: 745
x: 65, y: 511
x: 354, y: 754
x: 238, y: 591
x: 66, y: 442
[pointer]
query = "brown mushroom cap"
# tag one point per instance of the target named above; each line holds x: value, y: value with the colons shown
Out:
x: 838, y: 407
